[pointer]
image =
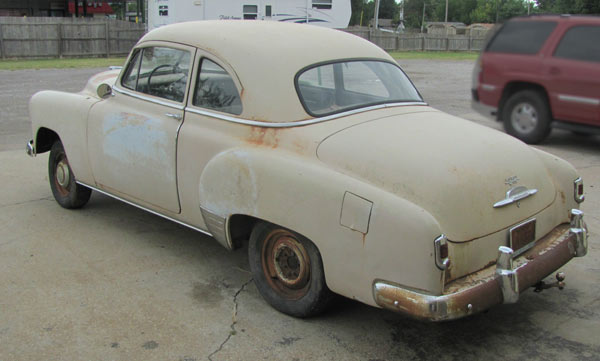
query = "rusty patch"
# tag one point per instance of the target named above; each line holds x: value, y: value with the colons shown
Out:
x: 562, y: 196
x: 262, y: 136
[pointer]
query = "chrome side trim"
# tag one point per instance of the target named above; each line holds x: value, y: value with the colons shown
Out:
x: 217, y: 225
x: 578, y: 198
x: 578, y: 99
x: 506, y: 275
x: 148, y: 99
x: 579, y: 229
x: 488, y: 87
x: 296, y: 123
x: 30, y: 149
x: 441, y: 263
x: 145, y: 209
x: 515, y: 194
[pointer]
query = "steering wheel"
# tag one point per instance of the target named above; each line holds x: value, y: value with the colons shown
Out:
x: 154, y: 71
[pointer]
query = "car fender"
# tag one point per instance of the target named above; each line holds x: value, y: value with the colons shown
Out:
x: 66, y: 115
x: 306, y: 196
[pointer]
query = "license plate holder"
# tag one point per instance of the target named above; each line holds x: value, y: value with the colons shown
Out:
x: 521, y: 236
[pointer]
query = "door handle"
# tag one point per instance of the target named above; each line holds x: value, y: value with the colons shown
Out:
x: 174, y: 116
x: 554, y: 70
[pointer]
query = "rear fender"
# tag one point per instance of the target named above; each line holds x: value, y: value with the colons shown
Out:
x: 305, y: 196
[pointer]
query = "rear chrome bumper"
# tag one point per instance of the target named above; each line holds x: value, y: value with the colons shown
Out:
x: 493, y: 285
x: 29, y: 148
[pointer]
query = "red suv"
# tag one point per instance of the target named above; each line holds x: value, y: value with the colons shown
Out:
x: 541, y: 72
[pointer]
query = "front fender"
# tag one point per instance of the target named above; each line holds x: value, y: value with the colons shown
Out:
x: 304, y: 195
x: 66, y: 115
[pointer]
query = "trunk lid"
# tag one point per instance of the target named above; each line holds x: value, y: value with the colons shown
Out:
x: 453, y: 168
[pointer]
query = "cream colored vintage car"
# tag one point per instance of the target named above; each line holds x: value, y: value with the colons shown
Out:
x: 314, y: 147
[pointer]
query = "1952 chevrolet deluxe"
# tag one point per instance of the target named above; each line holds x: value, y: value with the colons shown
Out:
x: 313, y: 146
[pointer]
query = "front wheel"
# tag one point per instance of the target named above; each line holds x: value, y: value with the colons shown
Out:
x: 66, y: 191
x: 526, y: 116
x: 288, y: 271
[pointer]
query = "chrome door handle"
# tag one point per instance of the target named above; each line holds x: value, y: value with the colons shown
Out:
x: 174, y: 116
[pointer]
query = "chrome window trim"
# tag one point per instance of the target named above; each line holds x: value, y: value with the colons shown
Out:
x: 578, y: 99
x: 148, y: 99
x: 299, y: 122
x: 145, y: 209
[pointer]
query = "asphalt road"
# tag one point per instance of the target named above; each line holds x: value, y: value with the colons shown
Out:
x: 111, y: 282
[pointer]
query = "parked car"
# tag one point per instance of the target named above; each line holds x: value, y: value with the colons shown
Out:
x: 541, y: 72
x: 313, y: 146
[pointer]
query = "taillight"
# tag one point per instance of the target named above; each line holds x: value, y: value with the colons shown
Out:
x: 441, y: 252
x: 578, y: 190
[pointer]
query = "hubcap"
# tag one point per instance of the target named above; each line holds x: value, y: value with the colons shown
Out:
x: 524, y: 118
x: 286, y: 264
x: 62, y: 174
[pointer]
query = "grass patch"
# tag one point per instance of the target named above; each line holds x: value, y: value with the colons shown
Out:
x: 435, y: 55
x: 60, y: 63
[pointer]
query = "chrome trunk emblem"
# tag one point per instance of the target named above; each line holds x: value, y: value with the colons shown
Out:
x: 510, y: 181
x: 515, y: 194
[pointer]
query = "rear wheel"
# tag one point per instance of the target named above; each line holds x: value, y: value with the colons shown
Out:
x: 66, y: 191
x: 526, y: 116
x: 288, y: 271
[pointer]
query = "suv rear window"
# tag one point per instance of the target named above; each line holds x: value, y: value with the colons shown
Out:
x: 521, y: 37
x: 580, y: 43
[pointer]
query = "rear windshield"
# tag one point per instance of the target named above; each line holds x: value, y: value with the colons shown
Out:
x: 336, y: 87
x: 521, y: 37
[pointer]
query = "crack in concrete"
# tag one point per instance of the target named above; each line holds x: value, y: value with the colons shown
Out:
x: 25, y: 202
x: 232, y: 330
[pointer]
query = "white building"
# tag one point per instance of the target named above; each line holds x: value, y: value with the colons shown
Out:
x: 328, y: 13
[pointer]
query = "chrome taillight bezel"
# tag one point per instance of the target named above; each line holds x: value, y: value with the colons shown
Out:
x: 578, y: 190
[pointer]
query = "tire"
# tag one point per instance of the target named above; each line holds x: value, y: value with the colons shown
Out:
x: 66, y: 191
x: 288, y: 271
x: 526, y: 116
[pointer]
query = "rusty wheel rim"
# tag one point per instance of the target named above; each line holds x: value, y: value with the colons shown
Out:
x: 286, y: 264
x: 62, y: 175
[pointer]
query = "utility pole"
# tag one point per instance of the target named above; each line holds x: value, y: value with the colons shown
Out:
x: 423, y: 19
x: 376, y: 14
x: 446, y: 17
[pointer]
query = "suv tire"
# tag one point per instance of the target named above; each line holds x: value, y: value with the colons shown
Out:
x: 526, y: 116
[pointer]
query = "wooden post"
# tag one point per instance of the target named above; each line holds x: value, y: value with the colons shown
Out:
x: 106, y: 29
x: 447, y: 42
x: 422, y: 42
x: 2, y: 49
x: 59, y: 38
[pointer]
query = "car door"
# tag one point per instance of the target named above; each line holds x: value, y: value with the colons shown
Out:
x: 132, y: 135
x: 573, y: 72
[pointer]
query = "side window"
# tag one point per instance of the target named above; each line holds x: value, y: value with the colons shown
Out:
x: 250, y: 12
x: 321, y: 4
x: 521, y: 37
x: 216, y: 90
x: 580, y: 43
x: 131, y: 73
x: 164, y: 72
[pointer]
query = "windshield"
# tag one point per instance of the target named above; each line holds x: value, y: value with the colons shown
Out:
x: 336, y: 87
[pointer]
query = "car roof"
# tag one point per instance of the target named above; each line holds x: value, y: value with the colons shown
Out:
x: 564, y: 17
x: 266, y: 56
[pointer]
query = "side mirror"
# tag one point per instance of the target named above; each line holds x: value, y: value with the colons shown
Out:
x: 104, y: 90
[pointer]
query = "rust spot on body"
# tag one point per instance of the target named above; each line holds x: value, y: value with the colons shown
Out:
x: 262, y: 136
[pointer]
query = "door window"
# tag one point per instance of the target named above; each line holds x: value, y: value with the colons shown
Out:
x: 521, y: 37
x: 580, y: 43
x: 250, y: 12
x: 216, y: 90
x: 159, y: 71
